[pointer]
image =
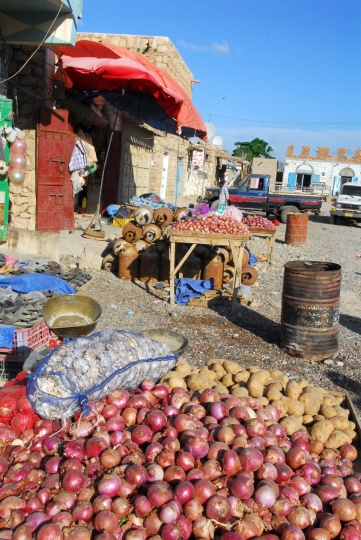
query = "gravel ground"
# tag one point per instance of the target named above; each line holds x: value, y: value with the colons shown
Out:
x: 251, y: 335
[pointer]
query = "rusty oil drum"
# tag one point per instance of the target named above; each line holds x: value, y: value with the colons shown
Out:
x: 296, y: 229
x: 310, y: 309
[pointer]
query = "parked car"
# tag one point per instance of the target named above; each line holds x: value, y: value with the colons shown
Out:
x: 347, y: 204
x: 252, y: 194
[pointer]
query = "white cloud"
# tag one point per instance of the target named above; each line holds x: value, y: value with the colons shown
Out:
x: 219, y: 48
x: 280, y: 138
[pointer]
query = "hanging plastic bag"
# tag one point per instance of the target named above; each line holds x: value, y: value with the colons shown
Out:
x: 91, y: 367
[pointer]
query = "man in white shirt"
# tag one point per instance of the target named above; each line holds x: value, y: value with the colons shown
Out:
x: 224, y: 194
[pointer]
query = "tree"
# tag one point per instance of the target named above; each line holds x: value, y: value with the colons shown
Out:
x: 252, y: 149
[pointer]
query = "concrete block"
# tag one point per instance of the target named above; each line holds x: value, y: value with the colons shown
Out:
x: 39, y: 244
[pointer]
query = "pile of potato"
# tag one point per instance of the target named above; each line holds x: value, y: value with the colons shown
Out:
x: 302, y: 404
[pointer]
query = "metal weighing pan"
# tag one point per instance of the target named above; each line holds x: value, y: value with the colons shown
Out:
x: 176, y: 342
x: 71, y: 315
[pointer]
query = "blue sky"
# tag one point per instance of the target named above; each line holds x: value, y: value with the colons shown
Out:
x: 286, y: 71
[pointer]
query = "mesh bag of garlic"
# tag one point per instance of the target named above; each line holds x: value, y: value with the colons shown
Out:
x: 88, y: 368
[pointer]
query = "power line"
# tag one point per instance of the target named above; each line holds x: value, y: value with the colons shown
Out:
x: 283, y: 122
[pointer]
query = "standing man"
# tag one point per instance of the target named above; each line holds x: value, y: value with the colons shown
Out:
x: 223, y: 197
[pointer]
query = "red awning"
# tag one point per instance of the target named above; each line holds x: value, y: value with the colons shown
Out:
x: 100, y: 66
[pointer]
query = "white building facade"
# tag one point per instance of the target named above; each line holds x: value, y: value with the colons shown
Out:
x: 330, y: 172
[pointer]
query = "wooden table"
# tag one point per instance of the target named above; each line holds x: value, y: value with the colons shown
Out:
x: 270, y: 236
x: 235, y: 243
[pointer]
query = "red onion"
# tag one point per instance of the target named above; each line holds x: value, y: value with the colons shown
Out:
x: 183, y: 492
x: 83, y: 512
x: 299, y: 516
x: 74, y: 449
x: 172, y: 443
x: 73, y: 481
x: 326, y: 493
x: 352, y: 485
x: 169, y: 513
x: 197, y: 446
x: 349, y: 533
x: 95, y: 446
x: 317, y: 534
x: 170, y: 531
x: 35, y: 519
x: 312, y: 473
x: 284, y: 472
x: 49, y: 531
x: 291, y: 532
x: 192, y: 510
x: 119, y: 398
x: 136, y: 475
x: 218, y: 410
x: 344, y: 509
x: 348, y: 451
x: 102, y: 502
x: 203, y: 490
x: 142, y: 506
x: 312, y: 501
x: 195, y: 474
x: 160, y: 391
x: 105, y: 521
x: 65, y: 499
x: 173, y: 475
x: 282, y: 507
x: 242, y: 487
x: 251, y: 459
x: 265, y: 496
x: 155, y: 473
x: 152, y: 523
x: 63, y: 519
x: 156, y: 420
x: 115, y: 423
x: 212, y: 470
x: 331, y: 523
x: 296, y: 457
x: 142, y: 434
x: 185, y: 460
x: 301, y: 485
x: 218, y: 508
x: 158, y: 494
x: 185, y: 527
x: 152, y: 451
x: 109, y: 485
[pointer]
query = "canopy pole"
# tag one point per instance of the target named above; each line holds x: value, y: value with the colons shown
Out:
x: 94, y: 229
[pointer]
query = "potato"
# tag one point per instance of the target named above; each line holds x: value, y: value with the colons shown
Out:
x: 255, y: 388
x: 320, y: 431
x: 204, y: 372
x: 307, y: 419
x: 197, y: 382
x: 291, y: 424
x: 292, y: 390
x: 294, y: 407
x: 340, y: 411
x: 227, y: 379
x: 340, y: 422
x: 253, y: 369
x: 275, y: 384
x: 231, y: 367
x: 221, y: 388
x: 176, y: 382
x: 318, y: 418
x: 264, y: 401
x: 213, y: 361
x: 329, y: 400
x: 183, y: 368
x: 327, y: 411
x: 352, y: 433
x: 262, y: 376
x: 272, y: 393
x: 240, y: 392
x: 219, y: 370
x: 280, y: 405
x: 284, y: 381
x: 337, y: 439
x: 352, y: 425
x: 170, y: 375
x: 276, y: 374
x: 241, y: 376
x: 311, y: 402
x: 303, y: 383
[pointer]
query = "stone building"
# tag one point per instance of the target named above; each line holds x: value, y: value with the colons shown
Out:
x: 306, y: 171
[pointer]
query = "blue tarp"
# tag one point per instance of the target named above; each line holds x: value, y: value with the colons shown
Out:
x: 36, y: 282
x: 185, y: 288
x: 7, y: 334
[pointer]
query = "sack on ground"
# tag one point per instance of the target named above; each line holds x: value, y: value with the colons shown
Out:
x: 89, y: 368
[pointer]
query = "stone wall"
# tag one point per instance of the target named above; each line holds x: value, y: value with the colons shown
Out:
x: 323, y: 154
x: 28, y: 92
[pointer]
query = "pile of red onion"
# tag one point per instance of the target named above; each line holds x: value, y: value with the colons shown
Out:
x: 160, y: 465
x: 212, y: 224
x: 258, y: 222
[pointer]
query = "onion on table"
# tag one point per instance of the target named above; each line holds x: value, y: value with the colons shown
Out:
x: 162, y: 464
x: 212, y: 224
x: 258, y: 222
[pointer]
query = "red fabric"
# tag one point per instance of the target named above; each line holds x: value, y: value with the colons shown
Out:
x: 100, y: 66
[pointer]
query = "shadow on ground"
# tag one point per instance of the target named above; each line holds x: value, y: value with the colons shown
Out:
x: 351, y: 322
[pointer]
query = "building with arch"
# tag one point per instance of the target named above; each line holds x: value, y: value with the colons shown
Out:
x: 305, y: 171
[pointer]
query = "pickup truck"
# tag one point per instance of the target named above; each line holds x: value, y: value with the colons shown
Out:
x: 252, y: 195
x: 347, y: 204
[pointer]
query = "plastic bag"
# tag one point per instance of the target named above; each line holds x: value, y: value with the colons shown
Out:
x: 91, y: 367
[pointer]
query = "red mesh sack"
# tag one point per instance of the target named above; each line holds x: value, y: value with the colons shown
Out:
x: 5, y: 421
x: 22, y: 422
x: 23, y: 405
x: 7, y: 405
